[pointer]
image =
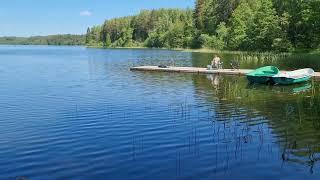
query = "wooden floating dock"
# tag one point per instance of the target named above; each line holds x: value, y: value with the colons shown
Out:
x: 239, y: 72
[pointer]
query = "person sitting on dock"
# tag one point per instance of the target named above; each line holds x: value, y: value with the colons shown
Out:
x: 216, y: 62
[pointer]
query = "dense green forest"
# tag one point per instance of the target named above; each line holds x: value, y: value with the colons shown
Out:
x: 64, y: 39
x: 246, y: 25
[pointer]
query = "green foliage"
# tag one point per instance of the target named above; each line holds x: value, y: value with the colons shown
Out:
x: 87, y: 35
x: 93, y: 36
x: 199, y: 14
x: 303, y: 22
x: 169, y: 28
x: 222, y: 34
x: 124, y: 38
x: 107, y: 41
x: 250, y: 25
x: 265, y: 27
x: 240, y: 21
x: 281, y: 45
x: 154, y: 40
x: 212, y: 42
x: 66, y: 39
x: 174, y: 38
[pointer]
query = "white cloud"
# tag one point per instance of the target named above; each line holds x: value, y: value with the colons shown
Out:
x: 85, y: 13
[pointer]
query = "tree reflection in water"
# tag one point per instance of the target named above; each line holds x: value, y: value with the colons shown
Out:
x: 290, y: 112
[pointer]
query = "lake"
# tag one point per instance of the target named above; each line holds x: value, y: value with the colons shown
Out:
x: 77, y: 113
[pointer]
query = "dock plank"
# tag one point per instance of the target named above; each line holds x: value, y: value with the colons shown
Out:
x: 239, y: 72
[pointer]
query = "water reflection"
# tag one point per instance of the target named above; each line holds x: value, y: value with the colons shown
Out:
x: 215, y: 80
x: 291, y: 112
x: 218, y: 121
x: 291, y: 89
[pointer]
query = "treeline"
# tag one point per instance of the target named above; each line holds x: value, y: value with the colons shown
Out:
x: 171, y: 28
x: 63, y: 39
x: 249, y: 25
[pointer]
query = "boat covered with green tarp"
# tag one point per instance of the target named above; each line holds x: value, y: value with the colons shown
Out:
x: 263, y: 75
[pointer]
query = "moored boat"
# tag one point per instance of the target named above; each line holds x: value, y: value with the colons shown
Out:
x: 293, y: 77
x: 263, y: 75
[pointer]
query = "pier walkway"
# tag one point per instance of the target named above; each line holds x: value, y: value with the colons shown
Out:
x: 239, y: 72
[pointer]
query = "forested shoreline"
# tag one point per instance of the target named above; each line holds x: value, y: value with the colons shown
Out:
x: 227, y: 25
x: 62, y: 39
x: 238, y: 25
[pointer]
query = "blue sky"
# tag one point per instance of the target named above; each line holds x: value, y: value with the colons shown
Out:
x: 43, y: 17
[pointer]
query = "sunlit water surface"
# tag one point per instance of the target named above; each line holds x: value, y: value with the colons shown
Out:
x: 77, y: 113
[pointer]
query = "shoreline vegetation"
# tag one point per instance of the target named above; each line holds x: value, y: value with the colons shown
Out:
x: 200, y: 50
x: 206, y: 50
x: 58, y: 40
x: 12, y: 41
x: 234, y: 26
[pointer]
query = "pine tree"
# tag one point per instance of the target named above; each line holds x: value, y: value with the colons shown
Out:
x: 108, y: 41
x: 88, y: 35
x: 199, y: 13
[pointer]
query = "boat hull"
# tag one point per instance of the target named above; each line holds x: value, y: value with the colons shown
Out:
x: 260, y: 79
x: 288, y: 81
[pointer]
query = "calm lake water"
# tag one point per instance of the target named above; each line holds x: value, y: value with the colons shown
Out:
x: 77, y: 113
